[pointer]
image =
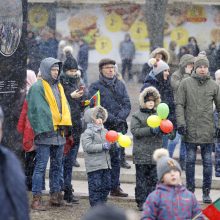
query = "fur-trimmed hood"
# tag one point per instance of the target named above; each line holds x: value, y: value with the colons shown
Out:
x: 155, y: 94
x: 162, y: 51
x: 91, y: 114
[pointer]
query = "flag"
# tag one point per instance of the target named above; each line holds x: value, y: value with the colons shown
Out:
x: 96, y: 99
x: 213, y: 211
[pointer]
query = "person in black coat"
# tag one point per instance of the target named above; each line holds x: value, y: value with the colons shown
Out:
x: 13, y: 199
x: 75, y: 92
x: 114, y: 98
x: 159, y: 78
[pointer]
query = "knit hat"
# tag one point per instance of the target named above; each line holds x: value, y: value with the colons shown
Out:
x: 104, y: 62
x: 201, y: 60
x: 69, y: 64
x: 158, y: 65
x: 164, y: 163
x: 55, y: 65
x: 186, y: 59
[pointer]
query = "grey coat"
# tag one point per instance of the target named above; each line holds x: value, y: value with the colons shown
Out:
x: 144, y: 142
x: 92, y: 141
x: 194, y: 108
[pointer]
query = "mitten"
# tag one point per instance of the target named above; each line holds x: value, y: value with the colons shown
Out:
x: 106, y: 146
x: 155, y: 131
x: 172, y: 135
x: 182, y: 130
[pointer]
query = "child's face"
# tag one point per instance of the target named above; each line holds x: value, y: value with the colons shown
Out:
x: 172, y: 178
x: 98, y: 121
x: 149, y: 104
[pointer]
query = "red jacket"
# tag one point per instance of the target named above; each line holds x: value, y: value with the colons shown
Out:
x: 24, y: 127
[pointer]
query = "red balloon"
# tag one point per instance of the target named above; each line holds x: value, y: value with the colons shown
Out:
x: 166, y: 126
x: 111, y: 136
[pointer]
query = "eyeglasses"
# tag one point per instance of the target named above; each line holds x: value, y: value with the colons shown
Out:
x: 109, y: 67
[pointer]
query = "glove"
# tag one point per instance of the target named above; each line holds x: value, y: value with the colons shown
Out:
x: 106, y: 146
x: 172, y: 135
x: 155, y: 131
x: 182, y: 130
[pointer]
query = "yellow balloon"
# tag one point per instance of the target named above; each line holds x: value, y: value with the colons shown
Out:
x: 124, y: 141
x: 153, y: 121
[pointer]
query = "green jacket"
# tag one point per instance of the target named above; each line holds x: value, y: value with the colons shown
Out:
x: 194, y: 108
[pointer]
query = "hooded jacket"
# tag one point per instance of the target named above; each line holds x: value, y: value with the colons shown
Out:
x: 93, y: 139
x: 194, y: 108
x: 171, y: 202
x: 144, y: 142
x: 180, y: 74
x: 39, y: 112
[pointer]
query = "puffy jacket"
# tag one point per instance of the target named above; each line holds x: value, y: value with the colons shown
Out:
x: 171, y: 202
x: 92, y: 142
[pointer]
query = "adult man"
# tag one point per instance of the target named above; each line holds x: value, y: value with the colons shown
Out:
x: 185, y: 70
x: 13, y: 199
x: 48, y: 112
x: 194, y: 111
x: 127, y: 53
x: 114, y: 98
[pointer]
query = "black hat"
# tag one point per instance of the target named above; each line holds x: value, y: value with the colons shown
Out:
x: 70, y: 63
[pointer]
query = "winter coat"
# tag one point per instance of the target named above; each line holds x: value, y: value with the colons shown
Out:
x: 171, y: 202
x: 165, y: 90
x: 76, y: 107
x: 83, y: 56
x: 144, y: 142
x: 92, y: 142
x: 24, y: 127
x: 13, y: 199
x: 114, y: 98
x: 194, y: 108
x: 127, y: 50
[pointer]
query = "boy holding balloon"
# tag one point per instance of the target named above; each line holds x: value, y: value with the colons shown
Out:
x: 146, y: 139
x: 97, y: 157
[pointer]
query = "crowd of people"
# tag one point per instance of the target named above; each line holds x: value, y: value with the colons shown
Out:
x: 60, y: 112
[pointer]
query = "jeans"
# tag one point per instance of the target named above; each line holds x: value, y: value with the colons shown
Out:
x: 55, y: 152
x: 165, y: 141
x: 75, y: 150
x: 172, y: 144
x: 206, y: 153
x: 217, y: 159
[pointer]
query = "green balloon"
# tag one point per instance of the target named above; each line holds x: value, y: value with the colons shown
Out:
x: 163, y: 110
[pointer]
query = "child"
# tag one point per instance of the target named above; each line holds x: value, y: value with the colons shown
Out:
x: 171, y: 200
x: 97, y: 157
x: 145, y: 140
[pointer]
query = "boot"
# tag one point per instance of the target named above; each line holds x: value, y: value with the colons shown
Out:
x: 125, y: 164
x: 76, y: 164
x: 37, y: 203
x: 56, y: 199
x: 140, y: 207
x: 69, y: 197
x: 205, y: 197
x: 118, y: 192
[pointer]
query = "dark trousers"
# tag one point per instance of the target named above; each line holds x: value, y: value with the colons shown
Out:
x: 127, y: 64
x: 206, y: 153
x: 29, y: 164
x: 99, y: 183
x: 146, y: 180
x: 115, y: 163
